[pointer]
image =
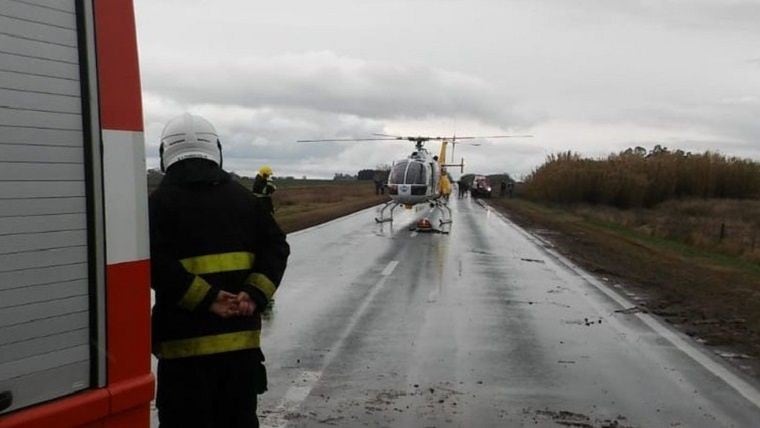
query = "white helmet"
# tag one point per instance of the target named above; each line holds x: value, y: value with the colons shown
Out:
x: 189, y: 136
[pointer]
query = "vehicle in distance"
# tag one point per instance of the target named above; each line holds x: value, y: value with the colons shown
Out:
x: 481, y: 187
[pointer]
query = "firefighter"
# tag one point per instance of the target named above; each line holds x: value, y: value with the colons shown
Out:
x: 263, y: 187
x: 217, y: 257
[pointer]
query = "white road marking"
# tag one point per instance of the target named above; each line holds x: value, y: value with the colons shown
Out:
x: 413, y: 234
x: 298, y: 393
x: 292, y: 399
x: 746, y: 389
x: 390, y: 268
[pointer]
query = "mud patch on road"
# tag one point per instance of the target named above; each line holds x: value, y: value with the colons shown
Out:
x: 585, y: 321
x: 572, y: 419
x: 536, y: 302
x: 437, y: 403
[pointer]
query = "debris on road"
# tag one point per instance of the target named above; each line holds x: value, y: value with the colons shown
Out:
x: 573, y: 419
x: 631, y: 310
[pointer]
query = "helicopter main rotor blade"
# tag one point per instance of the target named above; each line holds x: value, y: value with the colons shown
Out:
x: 392, y: 136
x: 484, y: 136
x: 507, y: 136
x: 346, y: 139
x: 418, y: 139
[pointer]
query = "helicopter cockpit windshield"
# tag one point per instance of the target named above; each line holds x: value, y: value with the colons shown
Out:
x: 398, y: 173
x: 415, y: 174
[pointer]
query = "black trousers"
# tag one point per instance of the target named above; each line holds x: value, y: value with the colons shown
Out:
x: 213, y: 391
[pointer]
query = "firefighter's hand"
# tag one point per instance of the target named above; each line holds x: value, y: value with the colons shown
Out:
x: 246, y: 305
x: 225, y: 305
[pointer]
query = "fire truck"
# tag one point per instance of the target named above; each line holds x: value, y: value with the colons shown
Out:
x: 74, y: 254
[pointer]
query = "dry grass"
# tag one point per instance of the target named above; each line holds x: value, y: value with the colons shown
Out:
x: 636, y: 178
x: 726, y: 226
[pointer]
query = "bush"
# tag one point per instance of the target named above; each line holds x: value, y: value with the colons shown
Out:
x: 637, y: 178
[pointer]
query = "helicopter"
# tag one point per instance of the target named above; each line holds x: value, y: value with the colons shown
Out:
x: 421, y: 177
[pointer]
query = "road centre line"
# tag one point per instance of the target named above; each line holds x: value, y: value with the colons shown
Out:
x: 292, y: 399
x: 390, y: 268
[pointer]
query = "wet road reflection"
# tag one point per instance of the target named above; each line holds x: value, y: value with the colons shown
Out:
x: 376, y: 325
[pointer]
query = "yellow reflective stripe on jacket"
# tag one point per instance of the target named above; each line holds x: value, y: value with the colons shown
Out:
x: 208, y: 345
x: 215, y: 263
x: 195, y: 293
x: 260, y: 281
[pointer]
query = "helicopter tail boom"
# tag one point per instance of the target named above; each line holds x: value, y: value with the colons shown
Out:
x: 455, y: 165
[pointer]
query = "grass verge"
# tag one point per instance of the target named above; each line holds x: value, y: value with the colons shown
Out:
x: 709, y: 295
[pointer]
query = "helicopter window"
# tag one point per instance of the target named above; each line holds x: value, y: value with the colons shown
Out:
x: 415, y: 174
x: 398, y: 172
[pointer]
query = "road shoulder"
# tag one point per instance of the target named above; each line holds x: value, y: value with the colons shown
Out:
x: 713, y: 300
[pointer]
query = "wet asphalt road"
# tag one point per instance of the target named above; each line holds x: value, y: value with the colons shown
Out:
x: 485, y: 326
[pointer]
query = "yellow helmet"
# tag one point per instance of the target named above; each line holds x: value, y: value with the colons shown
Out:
x: 265, y: 170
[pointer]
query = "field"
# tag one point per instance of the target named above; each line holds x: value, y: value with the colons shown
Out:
x: 694, y: 262
x: 728, y: 227
x: 303, y: 203
x: 299, y: 204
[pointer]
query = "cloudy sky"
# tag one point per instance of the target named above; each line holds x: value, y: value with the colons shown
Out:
x: 593, y: 76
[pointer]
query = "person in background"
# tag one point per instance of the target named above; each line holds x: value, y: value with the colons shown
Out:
x: 217, y: 258
x: 378, y: 180
x: 263, y: 187
x: 463, y: 187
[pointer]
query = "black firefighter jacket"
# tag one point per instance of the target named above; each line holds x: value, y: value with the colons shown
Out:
x: 209, y: 233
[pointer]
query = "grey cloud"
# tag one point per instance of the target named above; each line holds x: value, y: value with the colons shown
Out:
x: 613, y: 73
x: 326, y: 82
x: 733, y: 120
x: 711, y: 15
x: 255, y: 136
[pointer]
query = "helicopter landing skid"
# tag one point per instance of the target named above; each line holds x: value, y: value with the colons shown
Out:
x: 382, y: 218
x: 445, y: 213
